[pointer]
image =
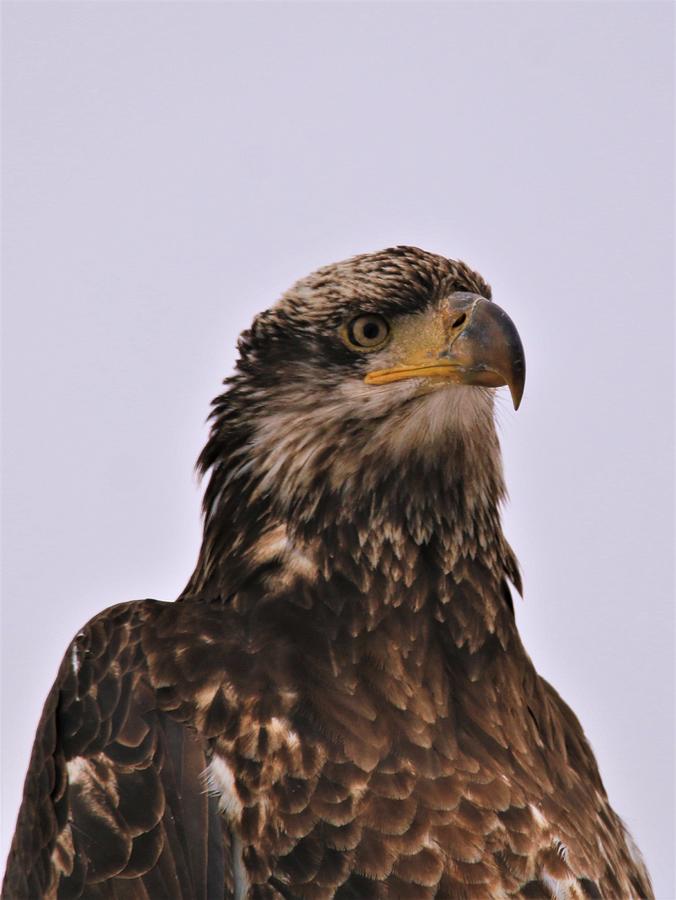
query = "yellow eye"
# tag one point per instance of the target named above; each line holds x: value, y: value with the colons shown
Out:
x: 367, y: 332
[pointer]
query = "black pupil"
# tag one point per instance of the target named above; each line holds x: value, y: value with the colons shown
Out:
x: 371, y: 330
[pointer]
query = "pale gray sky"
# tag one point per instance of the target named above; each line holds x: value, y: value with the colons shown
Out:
x: 171, y: 168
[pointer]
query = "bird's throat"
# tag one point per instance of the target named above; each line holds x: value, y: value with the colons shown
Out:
x: 283, y: 511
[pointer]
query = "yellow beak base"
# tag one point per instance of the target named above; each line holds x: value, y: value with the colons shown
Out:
x: 485, y: 350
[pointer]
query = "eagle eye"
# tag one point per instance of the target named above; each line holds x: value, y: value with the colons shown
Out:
x: 367, y: 332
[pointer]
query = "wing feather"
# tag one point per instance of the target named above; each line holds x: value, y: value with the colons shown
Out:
x: 115, y: 805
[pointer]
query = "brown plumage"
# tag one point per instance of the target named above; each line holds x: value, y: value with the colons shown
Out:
x: 339, y: 705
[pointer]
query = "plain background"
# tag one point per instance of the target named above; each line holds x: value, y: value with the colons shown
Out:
x: 171, y: 168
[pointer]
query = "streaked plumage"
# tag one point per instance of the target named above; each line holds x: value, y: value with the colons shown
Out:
x: 339, y: 705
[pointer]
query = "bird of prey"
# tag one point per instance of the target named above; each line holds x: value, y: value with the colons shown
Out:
x: 339, y: 704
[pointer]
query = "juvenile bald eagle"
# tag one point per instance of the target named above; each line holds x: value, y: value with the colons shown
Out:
x: 339, y: 704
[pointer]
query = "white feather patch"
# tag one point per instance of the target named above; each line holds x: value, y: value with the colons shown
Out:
x: 537, y: 815
x: 79, y: 770
x: 221, y: 782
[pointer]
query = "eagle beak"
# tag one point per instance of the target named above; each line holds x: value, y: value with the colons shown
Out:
x: 480, y: 346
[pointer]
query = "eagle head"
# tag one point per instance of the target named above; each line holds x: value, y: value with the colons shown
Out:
x: 367, y: 390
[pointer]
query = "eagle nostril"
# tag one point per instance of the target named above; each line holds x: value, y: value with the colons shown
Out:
x: 459, y: 321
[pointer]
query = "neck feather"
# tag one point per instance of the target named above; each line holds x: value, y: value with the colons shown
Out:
x: 393, y: 505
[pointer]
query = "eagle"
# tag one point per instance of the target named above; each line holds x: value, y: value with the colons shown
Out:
x: 338, y: 705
